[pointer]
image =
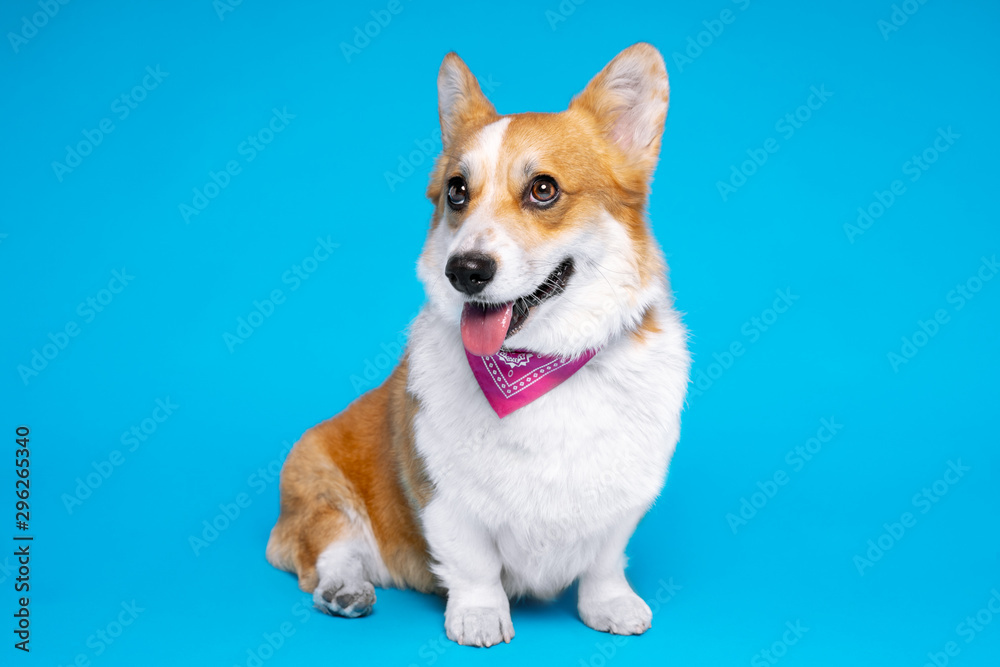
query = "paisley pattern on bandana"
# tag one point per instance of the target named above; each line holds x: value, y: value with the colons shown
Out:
x: 510, y: 379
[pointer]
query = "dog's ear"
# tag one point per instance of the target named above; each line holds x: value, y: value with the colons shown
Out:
x: 460, y: 100
x: 629, y: 99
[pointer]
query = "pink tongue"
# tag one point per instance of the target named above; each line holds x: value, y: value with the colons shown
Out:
x: 483, y: 331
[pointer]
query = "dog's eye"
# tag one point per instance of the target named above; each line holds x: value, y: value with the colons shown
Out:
x: 544, y: 190
x: 458, y: 193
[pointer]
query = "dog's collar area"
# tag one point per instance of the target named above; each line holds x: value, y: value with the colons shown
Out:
x: 510, y: 379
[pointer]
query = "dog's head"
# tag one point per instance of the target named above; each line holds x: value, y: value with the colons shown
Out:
x: 539, y: 239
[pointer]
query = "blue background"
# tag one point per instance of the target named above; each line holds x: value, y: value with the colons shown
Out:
x: 324, y: 176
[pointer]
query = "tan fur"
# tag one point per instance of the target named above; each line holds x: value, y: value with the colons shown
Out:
x: 470, y: 106
x: 471, y: 112
x: 648, y: 326
x: 604, y: 105
x: 361, y: 463
x: 575, y: 147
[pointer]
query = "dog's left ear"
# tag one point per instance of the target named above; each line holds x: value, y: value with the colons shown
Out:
x: 629, y: 99
x: 460, y: 100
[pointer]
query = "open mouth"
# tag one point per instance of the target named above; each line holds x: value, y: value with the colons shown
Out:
x: 486, y: 326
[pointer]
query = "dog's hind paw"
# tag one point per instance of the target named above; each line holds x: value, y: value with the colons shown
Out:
x: 350, y: 600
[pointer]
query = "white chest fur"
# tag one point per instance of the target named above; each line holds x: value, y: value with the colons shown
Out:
x: 548, y: 482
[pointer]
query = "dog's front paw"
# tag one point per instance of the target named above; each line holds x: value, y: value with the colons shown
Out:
x: 622, y: 615
x: 350, y: 599
x: 478, y: 626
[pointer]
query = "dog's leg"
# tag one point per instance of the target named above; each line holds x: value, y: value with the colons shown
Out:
x: 468, y: 566
x: 605, y: 601
x: 324, y: 532
x: 346, y: 569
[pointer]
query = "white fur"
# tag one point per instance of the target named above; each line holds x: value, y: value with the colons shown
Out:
x: 552, y: 492
x: 350, y: 564
x: 642, y: 101
x: 605, y: 297
x: 551, y: 480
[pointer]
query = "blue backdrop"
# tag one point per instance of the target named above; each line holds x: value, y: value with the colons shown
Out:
x: 194, y: 193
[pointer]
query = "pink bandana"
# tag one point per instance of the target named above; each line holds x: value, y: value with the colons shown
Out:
x: 510, y: 379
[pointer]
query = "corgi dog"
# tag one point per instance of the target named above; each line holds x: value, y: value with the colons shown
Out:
x: 531, y: 419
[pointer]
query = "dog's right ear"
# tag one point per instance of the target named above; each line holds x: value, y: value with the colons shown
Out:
x: 460, y: 100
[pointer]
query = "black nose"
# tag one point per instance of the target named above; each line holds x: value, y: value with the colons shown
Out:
x: 470, y: 273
